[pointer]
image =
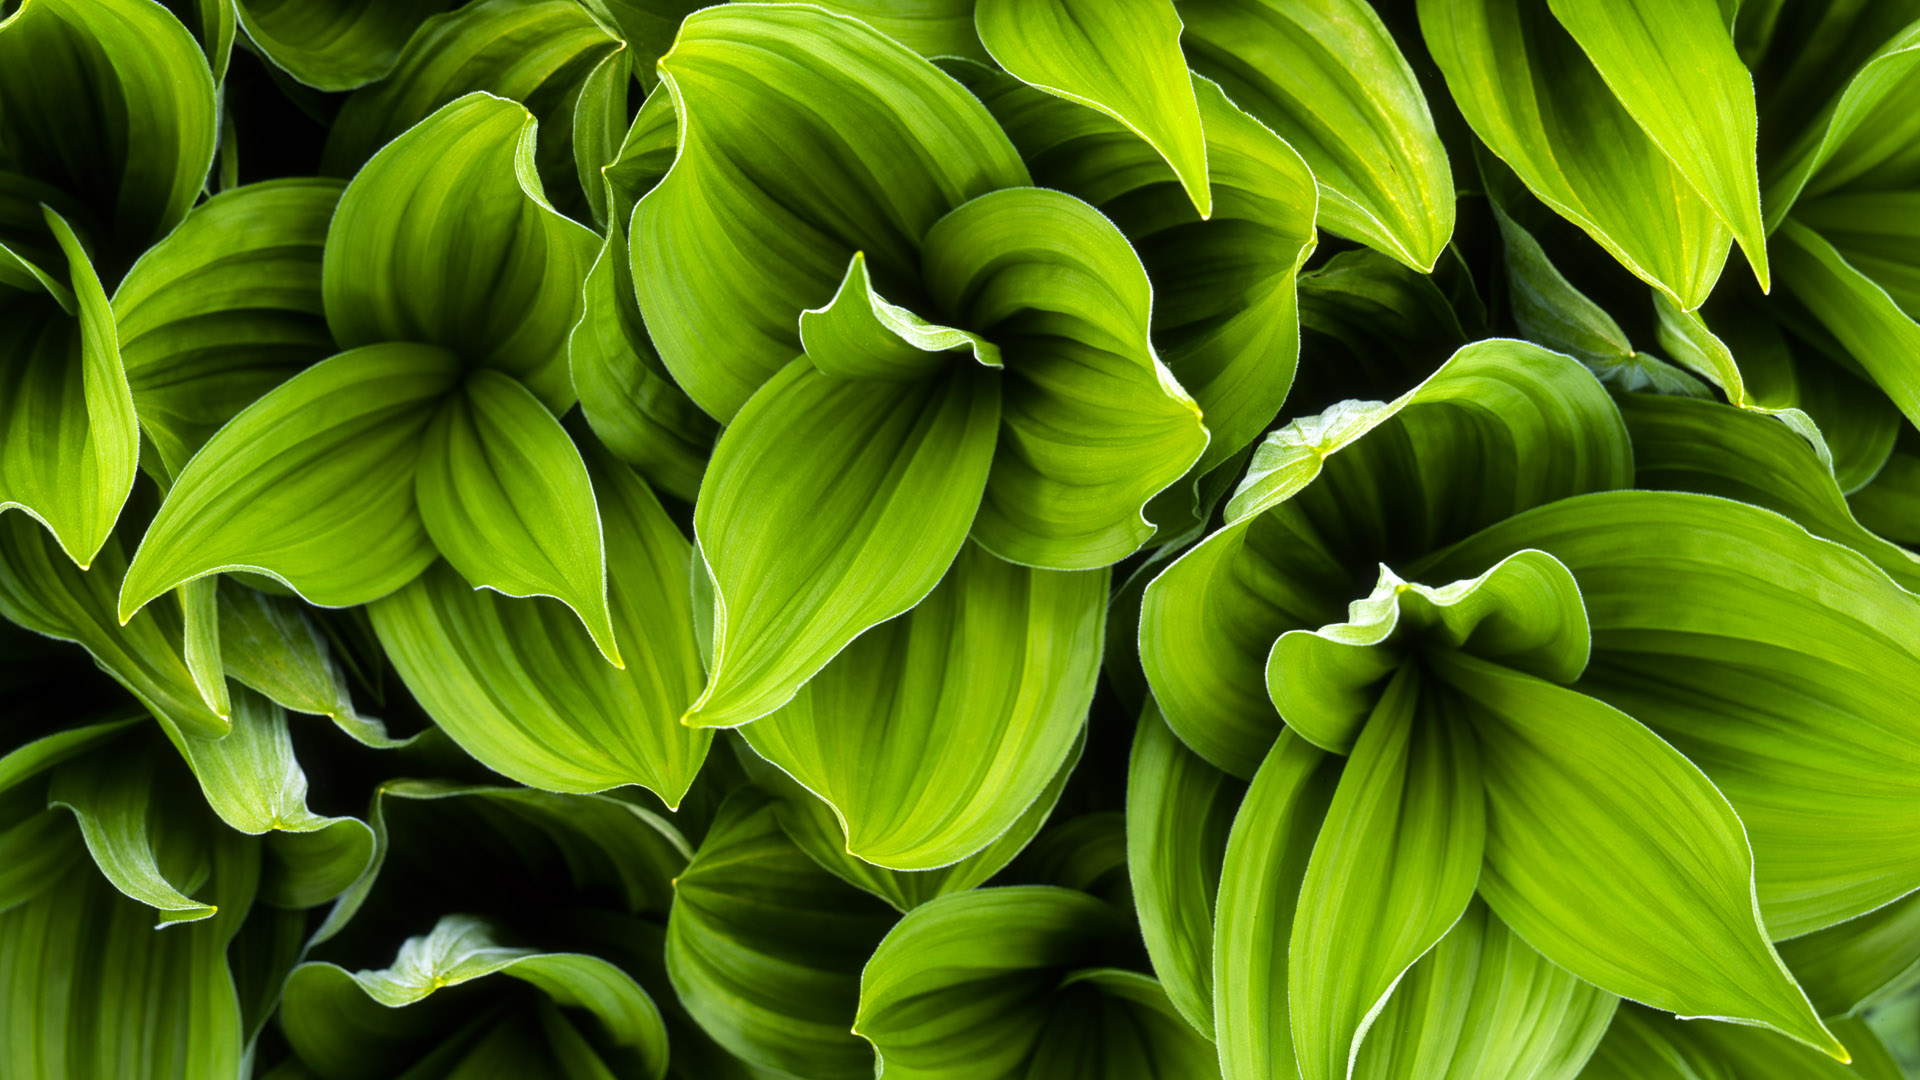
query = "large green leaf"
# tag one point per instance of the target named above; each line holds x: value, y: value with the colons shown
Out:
x: 1643, y: 1045
x: 1862, y: 139
x: 321, y: 464
x: 1093, y: 424
x: 764, y: 947
x: 1535, y: 98
x: 113, y: 998
x: 344, y: 1024
x: 812, y: 825
x: 932, y: 734
x: 39, y: 843
x: 1615, y: 856
x: 1391, y: 872
x: 928, y: 27
x: 1672, y: 65
x: 1783, y: 665
x: 334, y: 44
x: 224, y: 309
x: 538, y: 52
x: 1327, y: 77
x: 271, y: 644
x: 1881, y: 337
x: 832, y: 505
x: 1005, y: 983
x: 1331, y: 497
x: 520, y: 687
x: 445, y: 238
x: 859, y: 335
x: 1268, y: 850
x: 743, y: 233
x: 506, y: 498
x: 69, y: 442
x: 628, y: 396
x: 1483, y: 1003
x: 1859, y: 964
x: 129, y: 815
x: 110, y: 104
x: 1179, y: 810
x: 1121, y: 57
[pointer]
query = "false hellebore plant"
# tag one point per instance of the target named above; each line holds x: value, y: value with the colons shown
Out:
x: 727, y: 446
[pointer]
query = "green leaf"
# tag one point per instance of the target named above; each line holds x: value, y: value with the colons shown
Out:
x: 1672, y: 66
x: 1539, y: 103
x: 1862, y: 139
x: 1484, y: 1003
x: 627, y: 394
x: 334, y: 44
x: 1875, y: 232
x: 1616, y: 857
x: 1681, y: 445
x: 200, y: 603
x: 1122, y: 58
x: 648, y: 26
x: 1330, y: 497
x: 127, y: 826
x: 1890, y: 505
x: 321, y: 464
x: 214, y: 23
x: 45, y: 593
x: 520, y: 687
x: 1004, y: 983
x: 270, y: 644
x: 1643, y: 1045
x: 1328, y: 78
x: 928, y: 27
x: 1179, y: 810
x: 1857, y: 965
x: 859, y: 335
x: 69, y: 442
x: 764, y: 947
x: 1268, y: 850
x: 1093, y: 424
x: 1380, y: 325
x: 111, y: 98
x: 491, y: 271
x: 113, y: 998
x: 932, y: 734
x: 224, y: 309
x: 1524, y: 613
x: 1781, y: 664
x: 538, y: 52
x: 506, y: 498
x: 1868, y: 323
x: 1392, y: 871
x: 38, y: 844
x: 740, y: 237
x: 831, y: 505
x: 340, y: 1023
x: 810, y: 823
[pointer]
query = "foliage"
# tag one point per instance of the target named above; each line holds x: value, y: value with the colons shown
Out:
x: 1254, y: 539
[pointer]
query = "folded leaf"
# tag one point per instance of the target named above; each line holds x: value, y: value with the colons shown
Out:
x: 859, y: 335
x: 224, y: 309
x: 932, y: 734
x: 1882, y: 338
x: 832, y: 505
x: 1875, y: 233
x: 1122, y: 58
x: 1331, y: 497
x: 1001, y: 983
x: 1391, y: 872
x: 269, y: 643
x: 1674, y: 69
x: 322, y: 463
x: 1179, y: 810
x: 538, y: 52
x: 1484, y: 1003
x: 340, y: 1023
x: 1540, y: 104
x: 742, y: 235
x: 69, y: 441
x: 1267, y: 854
x: 334, y: 44
x: 200, y: 603
x: 1862, y: 138
x: 523, y: 689
x: 113, y: 99
x: 506, y: 498
x: 1617, y: 858
x: 445, y: 237
x: 1327, y: 77
x: 1093, y: 423
x: 628, y: 397
x: 763, y: 947
x: 127, y: 825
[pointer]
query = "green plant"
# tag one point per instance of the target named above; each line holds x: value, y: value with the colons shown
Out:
x: 1256, y: 539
